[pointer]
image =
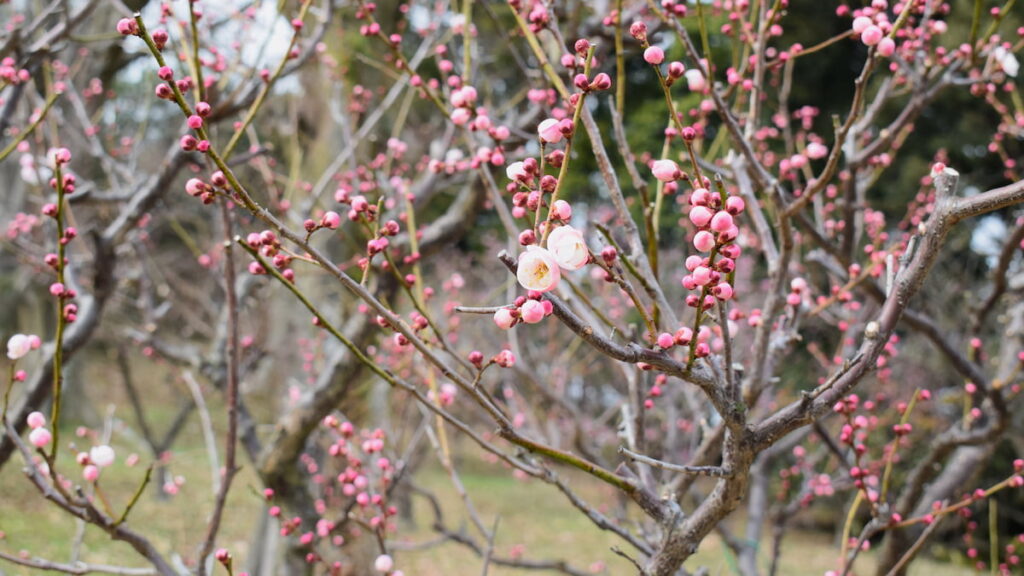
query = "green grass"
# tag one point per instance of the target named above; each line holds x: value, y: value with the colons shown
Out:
x: 534, y: 519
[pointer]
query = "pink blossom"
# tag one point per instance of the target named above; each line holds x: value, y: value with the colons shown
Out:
x: 549, y: 131
x: 665, y: 170
x: 665, y: 340
x: 538, y: 270
x: 568, y: 248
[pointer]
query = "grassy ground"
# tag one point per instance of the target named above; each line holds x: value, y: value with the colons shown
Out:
x: 534, y: 519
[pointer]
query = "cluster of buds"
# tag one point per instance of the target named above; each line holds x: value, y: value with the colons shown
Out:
x: 552, y: 130
x: 712, y: 214
x: 164, y: 91
x: 40, y: 436
x: 97, y: 458
x: 197, y: 188
x: 684, y: 337
x: 359, y: 206
x: 10, y: 74
x: 364, y: 475
x: 330, y: 220
x: 530, y: 309
x: 872, y: 24
x: 379, y: 243
x: 417, y: 321
x: 269, y: 246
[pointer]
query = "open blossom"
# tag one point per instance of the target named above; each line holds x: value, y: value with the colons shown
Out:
x: 568, y: 247
x: 384, y: 563
x: 538, y: 269
x: 21, y: 344
x: 1007, y: 61
x: 101, y: 456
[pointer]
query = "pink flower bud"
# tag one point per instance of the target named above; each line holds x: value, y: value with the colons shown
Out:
x: 701, y: 275
x: 676, y: 69
x: 601, y: 82
x: 40, y: 437
x: 665, y: 170
x: 665, y: 340
x: 568, y: 247
x: 654, y: 55
x: 549, y: 131
x: 127, y: 27
x: 90, y: 473
x: 734, y: 205
x: 700, y: 216
x: 704, y: 241
x: 36, y: 420
x: 722, y: 291
x: 562, y: 210
x: 504, y: 319
x: 871, y: 35
x: 721, y: 222
x: 695, y: 80
x: 331, y: 220
x: 532, y: 311
x: 886, y: 47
